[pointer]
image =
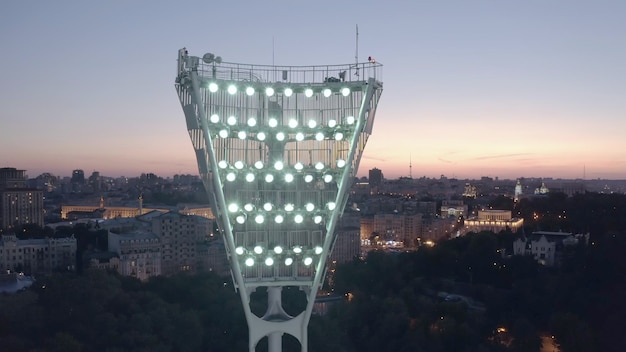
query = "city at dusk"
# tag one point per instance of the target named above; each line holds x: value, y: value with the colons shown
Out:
x: 498, y: 89
x: 426, y: 176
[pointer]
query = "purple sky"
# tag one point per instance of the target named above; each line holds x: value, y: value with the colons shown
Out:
x: 471, y: 88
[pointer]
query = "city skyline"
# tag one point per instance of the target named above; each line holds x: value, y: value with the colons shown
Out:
x: 503, y: 90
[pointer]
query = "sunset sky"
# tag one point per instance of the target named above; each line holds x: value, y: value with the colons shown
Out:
x: 533, y: 88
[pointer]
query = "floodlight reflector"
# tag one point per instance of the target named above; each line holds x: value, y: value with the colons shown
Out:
x: 260, y: 136
x: 288, y: 92
x: 272, y: 122
x: 327, y: 92
x: 222, y: 164
x: 308, y: 261
x: 350, y: 120
x: 258, y: 164
x: 338, y: 136
x: 331, y: 205
x: 250, y: 177
x: 213, y: 87
x: 298, y: 218
x: 280, y: 136
x: 232, y: 89
x: 269, y: 91
x: 312, y: 123
x: 232, y: 120
x: 239, y: 250
x: 240, y: 219
x: 269, y: 261
x: 233, y: 207
x: 308, y: 92
x: 289, y: 207
x: 278, y: 249
x: 249, y: 91
x: 332, y: 123
x: 269, y: 178
x: 252, y: 122
x: 341, y: 163
x: 298, y: 166
x: 293, y: 123
x: 279, y: 219
x: 278, y: 165
x: 345, y: 91
x: 249, y: 261
x: 258, y: 249
x: 288, y: 178
x: 267, y: 206
x: 215, y: 118
x: 318, y: 250
x: 297, y: 249
x: 317, y: 219
x: 319, y: 165
x: 241, y: 134
x: 328, y: 178
x: 231, y: 176
x: 239, y: 165
x: 319, y: 136
x: 299, y: 136
x: 288, y: 261
x: 223, y: 133
x: 308, y: 178
x: 259, y: 219
x: 248, y: 207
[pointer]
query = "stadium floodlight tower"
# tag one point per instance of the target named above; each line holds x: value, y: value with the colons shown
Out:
x: 277, y: 149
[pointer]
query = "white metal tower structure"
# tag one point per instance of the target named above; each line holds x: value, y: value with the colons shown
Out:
x: 277, y: 149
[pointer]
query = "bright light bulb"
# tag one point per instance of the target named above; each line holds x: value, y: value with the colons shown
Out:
x: 259, y: 219
x: 278, y: 249
x: 241, y: 134
x: 293, y: 123
x: 350, y: 120
x: 345, y: 91
x: 288, y: 178
x: 258, y: 249
x: 331, y: 205
x: 278, y: 165
x: 249, y: 90
x: 288, y: 261
x: 241, y: 219
x: 258, y: 164
x: 230, y: 177
x: 318, y: 250
x: 298, y: 219
x: 298, y: 166
x: 232, y: 120
x: 233, y: 207
x: 338, y: 136
x: 308, y: 261
x: 327, y: 92
x: 312, y: 123
x: 288, y: 92
x: 297, y: 249
x: 317, y: 219
x: 222, y: 164
x: 269, y: 91
x: 309, y: 207
x: 272, y: 122
x: 267, y: 206
x: 319, y: 165
x: 308, y: 92
x: 289, y: 207
x: 319, y: 136
x: 232, y: 89
x: 269, y: 178
x: 341, y: 163
x: 260, y: 136
x: 248, y: 207
x: 213, y: 87
x: 249, y: 261
x: 280, y: 136
x: 328, y: 178
x: 223, y: 133
x: 269, y: 261
x: 250, y: 177
x: 332, y: 123
x: 279, y: 219
x: 239, y: 164
x: 215, y: 118
x: 308, y: 178
x: 299, y: 136
x: 252, y: 122
x: 239, y: 250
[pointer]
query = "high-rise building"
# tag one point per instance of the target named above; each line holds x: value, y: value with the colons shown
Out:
x: 277, y: 149
x: 375, y: 179
x: 19, y: 204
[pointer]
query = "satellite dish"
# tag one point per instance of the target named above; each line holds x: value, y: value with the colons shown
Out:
x: 218, y: 59
x: 208, y: 58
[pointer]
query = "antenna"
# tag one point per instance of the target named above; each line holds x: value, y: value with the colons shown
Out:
x: 356, y: 54
x: 410, y: 166
x: 272, y: 50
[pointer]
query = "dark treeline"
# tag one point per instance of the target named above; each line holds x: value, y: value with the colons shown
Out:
x: 461, y: 295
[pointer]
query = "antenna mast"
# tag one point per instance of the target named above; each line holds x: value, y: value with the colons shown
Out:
x: 410, y: 166
x: 356, y: 54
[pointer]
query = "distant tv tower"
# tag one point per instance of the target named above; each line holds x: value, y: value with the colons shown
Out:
x: 410, y: 166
